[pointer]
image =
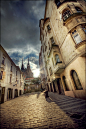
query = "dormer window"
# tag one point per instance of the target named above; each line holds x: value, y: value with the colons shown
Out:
x: 48, y: 28
x: 78, y: 9
x: 52, y: 40
x: 66, y: 14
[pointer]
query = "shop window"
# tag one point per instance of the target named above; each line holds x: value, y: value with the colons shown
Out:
x: 52, y: 40
x: 76, y: 80
x: 48, y: 28
x: 57, y: 59
x: 1, y: 73
x: 3, y: 60
x: 66, y: 14
x: 65, y: 84
x: 78, y: 9
x: 76, y: 37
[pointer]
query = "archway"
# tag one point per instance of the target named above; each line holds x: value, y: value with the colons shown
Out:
x: 16, y: 93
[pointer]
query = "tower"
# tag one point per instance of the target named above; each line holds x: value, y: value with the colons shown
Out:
x: 28, y: 65
x: 22, y: 67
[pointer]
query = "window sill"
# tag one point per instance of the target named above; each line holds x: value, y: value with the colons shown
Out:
x: 79, y: 44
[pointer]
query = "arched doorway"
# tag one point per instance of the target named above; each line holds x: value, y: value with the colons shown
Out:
x: 76, y: 81
x: 16, y: 93
x: 54, y: 87
x: 58, y: 84
x: 9, y: 93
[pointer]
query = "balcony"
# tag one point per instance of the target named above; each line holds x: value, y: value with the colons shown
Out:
x: 71, y: 16
x: 59, y: 68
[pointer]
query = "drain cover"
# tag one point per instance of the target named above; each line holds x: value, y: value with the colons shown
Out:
x: 77, y: 116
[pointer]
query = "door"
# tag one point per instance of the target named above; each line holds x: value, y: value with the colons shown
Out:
x: 59, y: 86
x: 2, y: 95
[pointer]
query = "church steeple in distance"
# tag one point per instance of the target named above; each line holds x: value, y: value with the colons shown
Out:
x: 22, y: 67
x: 28, y: 65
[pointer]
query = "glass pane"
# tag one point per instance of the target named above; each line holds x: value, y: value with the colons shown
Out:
x: 77, y: 38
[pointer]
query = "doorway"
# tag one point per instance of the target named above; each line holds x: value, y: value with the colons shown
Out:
x: 16, y: 93
x: 54, y: 87
x: 51, y: 87
x: 2, y: 94
x: 59, y: 85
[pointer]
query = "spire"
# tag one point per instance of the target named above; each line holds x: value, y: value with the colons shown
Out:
x: 22, y: 67
x: 28, y: 60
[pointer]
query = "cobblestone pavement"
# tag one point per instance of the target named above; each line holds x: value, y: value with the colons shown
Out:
x: 34, y: 111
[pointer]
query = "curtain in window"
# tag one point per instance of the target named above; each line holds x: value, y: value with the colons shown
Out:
x: 76, y: 81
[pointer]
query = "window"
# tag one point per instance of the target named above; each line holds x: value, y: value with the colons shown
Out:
x: 11, y: 68
x: 84, y: 27
x: 50, y: 71
x: 1, y: 73
x: 48, y: 27
x: 65, y: 84
x: 76, y: 37
x: 57, y: 59
x: 58, y: 3
x: 66, y: 14
x: 10, y: 78
x: 52, y: 40
x: 3, y: 60
x: 76, y: 80
x: 78, y: 9
x: 16, y: 73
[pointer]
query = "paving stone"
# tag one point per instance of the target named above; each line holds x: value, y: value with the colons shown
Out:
x: 28, y: 111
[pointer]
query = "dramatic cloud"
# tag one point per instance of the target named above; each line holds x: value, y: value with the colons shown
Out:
x: 20, y: 30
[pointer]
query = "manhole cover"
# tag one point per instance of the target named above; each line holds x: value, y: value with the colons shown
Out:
x: 77, y: 116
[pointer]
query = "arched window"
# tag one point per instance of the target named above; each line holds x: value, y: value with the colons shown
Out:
x: 65, y: 84
x: 66, y: 14
x: 57, y: 59
x: 78, y: 9
x: 76, y: 80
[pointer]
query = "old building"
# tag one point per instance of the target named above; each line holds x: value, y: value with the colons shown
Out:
x: 62, y: 35
x: 11, y: 79
x: 43, y: 74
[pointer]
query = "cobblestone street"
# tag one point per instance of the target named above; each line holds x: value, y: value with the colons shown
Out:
x: 33, y: 110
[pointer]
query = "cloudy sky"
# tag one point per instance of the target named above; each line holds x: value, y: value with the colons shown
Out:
x: 20, y: 32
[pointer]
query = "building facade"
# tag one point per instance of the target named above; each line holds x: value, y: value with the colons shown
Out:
x: 43, y: 74
x: 63, y: 39
x: 11, y: 79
